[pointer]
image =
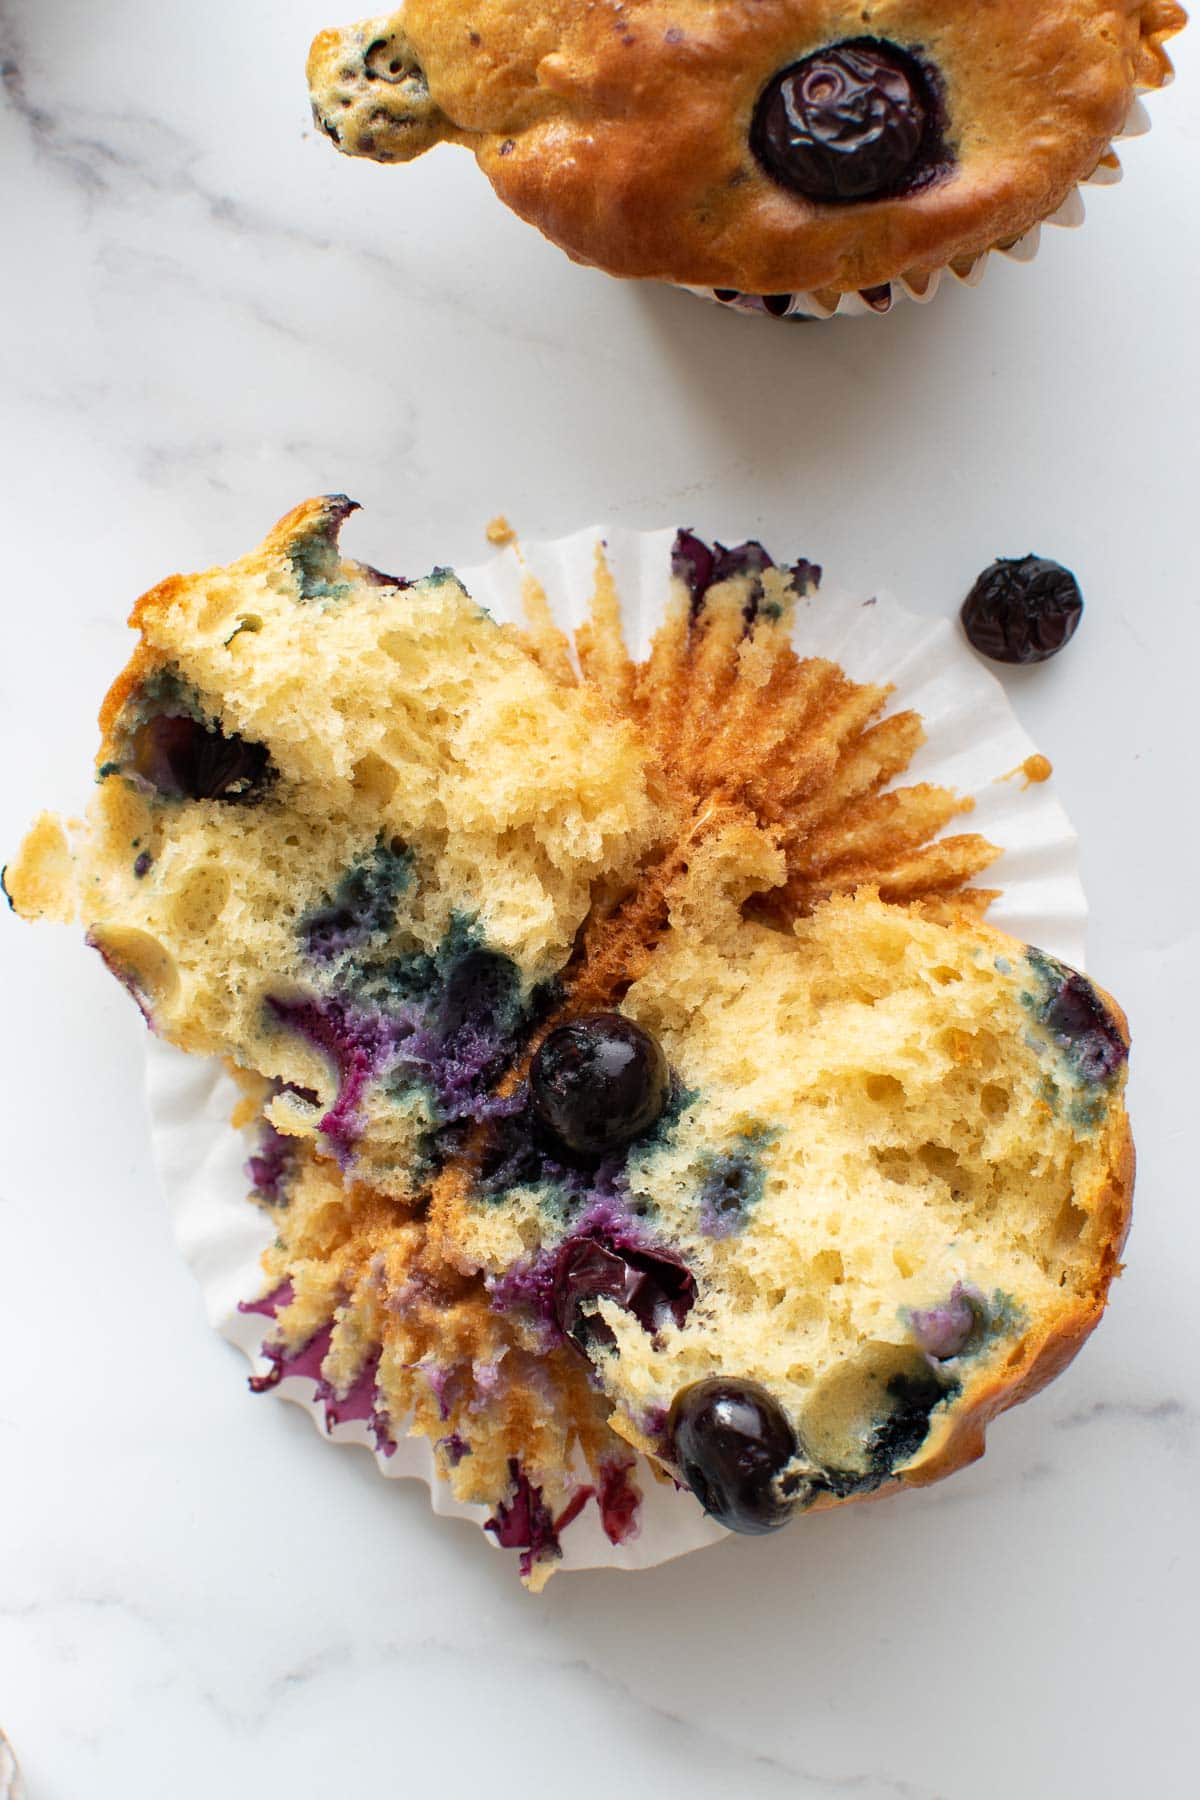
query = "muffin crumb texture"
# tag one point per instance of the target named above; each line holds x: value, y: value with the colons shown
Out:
x: 634, y: 1087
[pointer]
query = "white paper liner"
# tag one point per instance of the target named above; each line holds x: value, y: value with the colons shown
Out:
x: 973, y: 741
x: 880, y: 300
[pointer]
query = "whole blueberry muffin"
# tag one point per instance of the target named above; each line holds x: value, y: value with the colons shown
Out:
x: 761, y: 150
x: 630, y: 1067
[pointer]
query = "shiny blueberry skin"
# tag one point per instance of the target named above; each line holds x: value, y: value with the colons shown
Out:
x: 654, y: 1285
x: 1022, y: 610
x: 731, y: 1442
x: 854, y: 121
x: 597, y: 1083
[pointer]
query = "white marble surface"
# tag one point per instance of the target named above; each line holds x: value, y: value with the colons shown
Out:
x: 206, y: 316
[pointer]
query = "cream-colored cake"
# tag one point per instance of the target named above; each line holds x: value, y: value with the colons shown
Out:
x: 632, y: 1066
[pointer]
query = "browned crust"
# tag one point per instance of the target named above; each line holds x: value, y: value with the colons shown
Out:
x: 323, y: 512
x: 620, y: 128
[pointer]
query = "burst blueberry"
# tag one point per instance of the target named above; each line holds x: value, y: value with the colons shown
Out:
x: 598, y: 1083
x: 1079, y: 1020
x: 854, y: 121
x: 183, y: 759
x: 654, y: 1285
x: 732, y: 1442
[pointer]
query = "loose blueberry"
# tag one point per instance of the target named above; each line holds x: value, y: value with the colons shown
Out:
x: 731, y: 1442
x: 851, y: 122
x: 183, y: 759
x: 655, y: 1286
x: 597, y: 1083
x: 1022, y: 610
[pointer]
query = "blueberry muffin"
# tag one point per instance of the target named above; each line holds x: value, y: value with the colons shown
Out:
x: 631, y: 1068
x: 761, y: 149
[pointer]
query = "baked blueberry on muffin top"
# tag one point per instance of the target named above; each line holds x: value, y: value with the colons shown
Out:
x: 757, y: 147
x: 630, y: 1066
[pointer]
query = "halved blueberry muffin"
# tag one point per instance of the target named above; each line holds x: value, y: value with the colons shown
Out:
x: 633, y: 1068
x: 759, y: 149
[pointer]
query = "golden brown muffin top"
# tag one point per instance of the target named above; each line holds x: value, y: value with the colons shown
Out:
x: 622, y: 128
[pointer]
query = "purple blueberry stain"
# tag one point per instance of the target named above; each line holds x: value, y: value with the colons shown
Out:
x: 361, y: 1400
x: 270, y: 1305
x: 270, y: 1166
x: 731, y: 1184
x: 362, y: 906
x: 141, y: 864
x: 619, y: 1501
x: 441, y: 1024
x: 692, y: 563
x: 701, y: 566
x: 454, y: 1448
x: 524, y: 1521
x: 440, y: 1380
x: 487, y: 1377
x: 358, y: 1046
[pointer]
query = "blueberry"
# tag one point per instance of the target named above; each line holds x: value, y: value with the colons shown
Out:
x: 597, y: 1083
x: 1022, y: 609
x: 945, y: 1331
x: 183, y: 759
x: 901, y: 1433
x: 480, y: 989
x: 855, y: 121
x: 731, y: 1442
x: 700, y: 567
x: 1078, y: 1019
x: 653, y: 1285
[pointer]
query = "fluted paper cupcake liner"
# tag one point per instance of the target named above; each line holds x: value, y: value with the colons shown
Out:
x: 974, y: 745
x: 968, y: 272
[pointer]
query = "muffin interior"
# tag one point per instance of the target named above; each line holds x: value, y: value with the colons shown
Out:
x: 375, y: 850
